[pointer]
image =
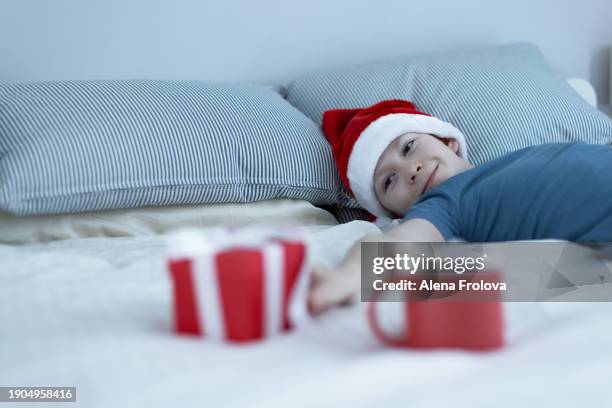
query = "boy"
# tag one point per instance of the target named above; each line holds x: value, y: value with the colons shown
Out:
x: 402, y: 163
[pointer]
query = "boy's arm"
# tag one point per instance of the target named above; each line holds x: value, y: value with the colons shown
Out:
x: 334, y: 286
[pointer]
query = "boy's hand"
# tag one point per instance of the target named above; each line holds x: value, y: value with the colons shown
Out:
x: 337, y: 286
x: 333, y: 286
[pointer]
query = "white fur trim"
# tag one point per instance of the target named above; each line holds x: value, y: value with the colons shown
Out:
x: 374, y: 140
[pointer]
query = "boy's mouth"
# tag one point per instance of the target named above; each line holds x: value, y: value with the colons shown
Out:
x: 430, y: 179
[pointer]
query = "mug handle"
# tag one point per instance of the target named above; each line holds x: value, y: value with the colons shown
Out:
x: 394, y: 341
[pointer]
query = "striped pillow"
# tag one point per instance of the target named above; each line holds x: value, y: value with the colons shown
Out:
x: 92, y: 145
x: 503, y: 98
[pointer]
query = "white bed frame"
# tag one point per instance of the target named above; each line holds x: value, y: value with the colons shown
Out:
x: 584, y: 89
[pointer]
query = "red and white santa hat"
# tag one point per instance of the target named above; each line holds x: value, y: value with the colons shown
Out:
x: 360, y: 136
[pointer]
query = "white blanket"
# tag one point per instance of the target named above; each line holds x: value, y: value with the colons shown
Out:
x: 96, y: 314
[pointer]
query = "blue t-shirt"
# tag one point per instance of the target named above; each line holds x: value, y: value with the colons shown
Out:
x: 557, y: 190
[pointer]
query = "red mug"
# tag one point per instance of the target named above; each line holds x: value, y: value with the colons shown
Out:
x: 455, y: 320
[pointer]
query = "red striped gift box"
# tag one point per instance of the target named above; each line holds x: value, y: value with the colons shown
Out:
x: 238, y: 285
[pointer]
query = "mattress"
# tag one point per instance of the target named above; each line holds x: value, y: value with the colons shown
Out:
x: 157, y: 220
x: 95, y: 313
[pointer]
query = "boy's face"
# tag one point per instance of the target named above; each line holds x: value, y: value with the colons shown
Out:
x: 411, y: 165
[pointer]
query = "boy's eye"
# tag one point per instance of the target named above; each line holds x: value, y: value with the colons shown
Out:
x: 407, y: 147
x: 387, y: 182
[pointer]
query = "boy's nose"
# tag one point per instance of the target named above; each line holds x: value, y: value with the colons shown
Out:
x: 416, y: 168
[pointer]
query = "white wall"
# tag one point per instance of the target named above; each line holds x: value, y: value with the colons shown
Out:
x: 274, y: 41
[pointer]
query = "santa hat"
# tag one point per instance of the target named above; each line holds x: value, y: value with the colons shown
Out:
x: 360, y: 136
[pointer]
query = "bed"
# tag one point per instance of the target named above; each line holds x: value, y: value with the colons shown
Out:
x: 96, y: 313
x: 86, y: 301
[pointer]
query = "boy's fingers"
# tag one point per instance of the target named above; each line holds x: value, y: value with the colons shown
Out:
x: 323, y: 298
x: 331, y: 290
x: 318, y: 273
